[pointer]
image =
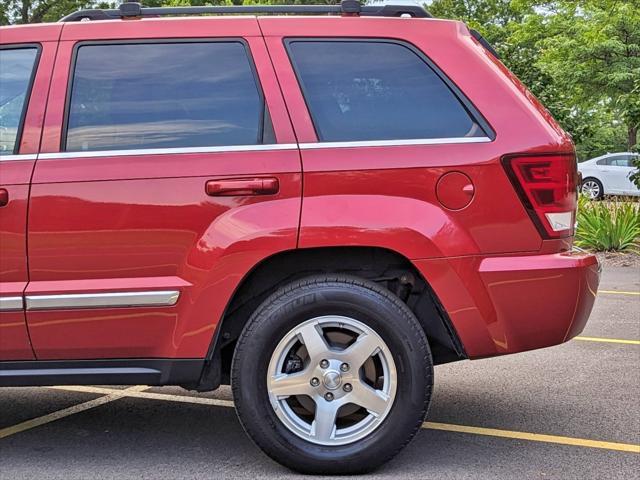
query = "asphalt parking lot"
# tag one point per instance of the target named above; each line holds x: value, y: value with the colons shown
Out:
x: 571, y: 411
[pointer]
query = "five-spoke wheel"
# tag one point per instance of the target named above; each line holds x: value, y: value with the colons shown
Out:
x: 332, y: 380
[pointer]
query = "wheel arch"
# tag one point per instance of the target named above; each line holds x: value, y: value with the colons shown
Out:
x: 386, y: 267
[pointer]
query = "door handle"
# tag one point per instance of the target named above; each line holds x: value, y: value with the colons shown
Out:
x: 242, y: 186
x: 4, y: 197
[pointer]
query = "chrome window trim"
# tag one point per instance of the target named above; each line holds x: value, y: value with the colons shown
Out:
x: 164, y: 298
x: 10, y: 304
x: 169, y: 151
x: 250, y: 148
x: 394, y: 143
x: 10, y: 158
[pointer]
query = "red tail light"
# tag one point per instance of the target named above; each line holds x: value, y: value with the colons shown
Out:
x: 547, y: 185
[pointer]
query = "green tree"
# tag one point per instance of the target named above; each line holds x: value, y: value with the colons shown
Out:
x: 593, y: 53
x: 36, y: 11
x: 538, y: 41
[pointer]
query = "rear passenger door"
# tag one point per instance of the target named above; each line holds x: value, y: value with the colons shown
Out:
x: 24, y: 81
x: 631, y: 186
x: 168, y: 170
x: 623, y: 167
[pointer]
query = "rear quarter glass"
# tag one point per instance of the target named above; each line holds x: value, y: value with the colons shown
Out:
x: 359, y: 89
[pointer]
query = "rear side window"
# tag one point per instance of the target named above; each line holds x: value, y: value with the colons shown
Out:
x: 163, y: 95
x: 376, y: 90
x: 623, y: 161
x: 617, y: 161
x: 16, y: 74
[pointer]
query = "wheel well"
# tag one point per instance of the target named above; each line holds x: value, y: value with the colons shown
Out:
x: 385, y: 267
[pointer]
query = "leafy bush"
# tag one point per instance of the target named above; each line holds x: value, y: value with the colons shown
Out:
x: 635, y: 176
x: 608, y: 225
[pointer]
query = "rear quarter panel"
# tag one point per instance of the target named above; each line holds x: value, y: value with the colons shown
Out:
x: 385, y: 196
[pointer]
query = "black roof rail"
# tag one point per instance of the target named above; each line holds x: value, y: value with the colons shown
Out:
x: 346, y: 7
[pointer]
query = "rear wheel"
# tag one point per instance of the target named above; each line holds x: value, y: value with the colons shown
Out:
x: 332, y: 375
x: 592, y: 188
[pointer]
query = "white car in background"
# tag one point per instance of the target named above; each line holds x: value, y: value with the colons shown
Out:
x: 608, y: 175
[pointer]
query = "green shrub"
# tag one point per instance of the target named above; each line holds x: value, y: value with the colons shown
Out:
x: 608, y: 225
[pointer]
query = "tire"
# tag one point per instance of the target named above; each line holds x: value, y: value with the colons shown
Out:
x: 592, y: 188
x: 365, y: 307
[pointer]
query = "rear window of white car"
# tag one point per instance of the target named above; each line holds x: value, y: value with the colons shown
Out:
x: 618, y: 160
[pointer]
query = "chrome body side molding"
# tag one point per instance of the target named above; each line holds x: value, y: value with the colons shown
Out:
x: 163, y: 298
x: 10, y: 304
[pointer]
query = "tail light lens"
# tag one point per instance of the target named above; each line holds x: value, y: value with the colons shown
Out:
x: 547, y: 186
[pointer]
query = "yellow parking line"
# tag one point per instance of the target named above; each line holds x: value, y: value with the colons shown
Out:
x: 608, y: 340
x: 52, y: 417
x: 83, y: 389
x: 154, y: 396
x: 535, y: 437
x: 618, y: 292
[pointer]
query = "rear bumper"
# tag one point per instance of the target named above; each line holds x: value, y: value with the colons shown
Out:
x: 501, y: 305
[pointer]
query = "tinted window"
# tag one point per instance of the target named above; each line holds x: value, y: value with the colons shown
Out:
x: 15, y: 79
x: 160, y: 95
x: 617, y: 161
x: 623, y: 161
x: 367, y: 90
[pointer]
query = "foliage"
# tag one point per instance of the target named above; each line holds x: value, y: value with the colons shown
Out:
x: 581, y: 58
x: 608, y: 226
x: 600, y: 40
x: 635, y: 177
x: 34, y: 11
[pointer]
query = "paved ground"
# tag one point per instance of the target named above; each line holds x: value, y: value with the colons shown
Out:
x: 585, y: 390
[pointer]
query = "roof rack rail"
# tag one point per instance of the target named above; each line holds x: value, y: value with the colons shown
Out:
x: 346, y: 8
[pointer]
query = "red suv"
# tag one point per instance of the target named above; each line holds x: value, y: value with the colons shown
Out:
x: 314, y: 209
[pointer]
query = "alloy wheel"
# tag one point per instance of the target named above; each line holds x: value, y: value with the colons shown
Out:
x: 591, y: 189
x: 332, y: 380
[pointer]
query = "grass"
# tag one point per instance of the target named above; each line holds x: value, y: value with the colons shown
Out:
x: 608, y: 226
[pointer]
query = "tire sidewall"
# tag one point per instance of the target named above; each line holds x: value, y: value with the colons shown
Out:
x: 396, y: 326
